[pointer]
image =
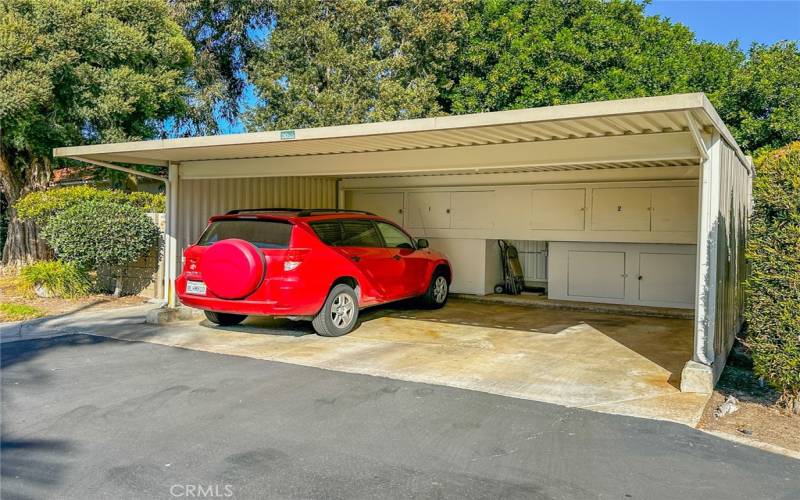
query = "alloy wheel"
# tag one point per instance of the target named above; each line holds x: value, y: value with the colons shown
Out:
x: 440, y: 289
x: 342, y: 309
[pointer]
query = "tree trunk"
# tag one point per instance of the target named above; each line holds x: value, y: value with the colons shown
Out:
x: 22, y: 172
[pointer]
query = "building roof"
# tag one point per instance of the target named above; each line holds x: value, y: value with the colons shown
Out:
x: 626, y: 117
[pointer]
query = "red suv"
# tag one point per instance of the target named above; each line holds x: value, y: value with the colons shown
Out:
x: 322, y: 265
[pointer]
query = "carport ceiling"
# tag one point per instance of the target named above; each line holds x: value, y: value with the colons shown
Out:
x: 608, y: 119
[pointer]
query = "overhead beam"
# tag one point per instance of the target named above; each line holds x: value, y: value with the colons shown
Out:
x: 698, y: 138
x: 119, y: 168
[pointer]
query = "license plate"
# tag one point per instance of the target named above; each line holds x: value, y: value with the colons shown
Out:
x: 196, y: 287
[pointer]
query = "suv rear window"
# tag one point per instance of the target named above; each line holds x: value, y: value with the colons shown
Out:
x: 261, y: 233
x: 348, y: 233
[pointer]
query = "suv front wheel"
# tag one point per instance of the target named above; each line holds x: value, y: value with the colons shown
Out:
x: 438, y: 288
x: 339, y: 314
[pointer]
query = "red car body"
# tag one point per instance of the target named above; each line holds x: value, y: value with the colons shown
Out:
x: 298, y: 277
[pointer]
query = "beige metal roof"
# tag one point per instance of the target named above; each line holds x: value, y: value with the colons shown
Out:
x: 640, y: 116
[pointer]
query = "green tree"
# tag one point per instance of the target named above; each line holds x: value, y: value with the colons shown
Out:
x: 353, y: 61
x: 528, y: 54
x: 75, y: 72
x: 761, y: 103
x: 224, y: 36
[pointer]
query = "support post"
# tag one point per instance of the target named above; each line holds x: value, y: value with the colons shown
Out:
x: 698, y: 374
x: 172, y: 252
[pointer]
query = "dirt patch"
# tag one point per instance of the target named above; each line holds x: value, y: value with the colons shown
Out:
x: 10, y: 293
x: 758, y: 416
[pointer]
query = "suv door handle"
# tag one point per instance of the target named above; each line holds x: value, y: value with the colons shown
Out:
x: 355, y: 258
x: 396, y: 257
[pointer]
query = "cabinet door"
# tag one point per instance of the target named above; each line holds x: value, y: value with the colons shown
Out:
x: 389, y: 205
x: 674, y: 209
x: 667, y: 278
x: 621, y: 209
x: 559, y: 209
x: 428, y: 210
x: 472, y: 209
x: 596, y: 274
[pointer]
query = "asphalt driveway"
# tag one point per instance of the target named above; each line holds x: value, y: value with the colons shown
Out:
x: 89, y: 417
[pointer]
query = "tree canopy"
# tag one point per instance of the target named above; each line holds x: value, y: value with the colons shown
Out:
x: 224, y: 36
x: 81, y: 71
x: 347, y: 61
x: 527, y: 54
x: 761, y: 102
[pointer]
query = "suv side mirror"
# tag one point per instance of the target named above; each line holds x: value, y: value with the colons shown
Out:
x: 422, y: 243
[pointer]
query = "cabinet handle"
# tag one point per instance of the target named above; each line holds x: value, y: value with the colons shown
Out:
x: 448, y: 210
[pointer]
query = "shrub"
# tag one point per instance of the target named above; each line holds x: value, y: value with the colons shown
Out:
x: 101, y: 232
x: 63, y: 279
x: 773, y: 250
x: 40, y: 206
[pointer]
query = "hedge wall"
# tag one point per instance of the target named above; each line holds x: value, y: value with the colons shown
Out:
x: 773, y: 250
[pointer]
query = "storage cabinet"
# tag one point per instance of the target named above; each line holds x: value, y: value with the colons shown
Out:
x: 663, y: 209
x: 621, y: 209
x: 666, y: 278
x: 385, y: 204
x: 558, y: 209
x: 472, y: 209
x: 651, y: 212
x: 596, y: 274
x: 674, y: 209
x: 623, y: 273
x: 428, y: 209
x: 450, y: 210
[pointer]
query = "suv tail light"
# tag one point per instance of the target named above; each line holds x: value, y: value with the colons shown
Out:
x: 294, y: 257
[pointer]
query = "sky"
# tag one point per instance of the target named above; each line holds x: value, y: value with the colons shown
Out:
x: 762, y: 21
x: 720, y: 21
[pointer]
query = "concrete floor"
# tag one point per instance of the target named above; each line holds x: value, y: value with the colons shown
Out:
x: 611, y: 363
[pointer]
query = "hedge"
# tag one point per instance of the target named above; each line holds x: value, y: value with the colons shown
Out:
x: 41, y: 205
x: 773, y: 250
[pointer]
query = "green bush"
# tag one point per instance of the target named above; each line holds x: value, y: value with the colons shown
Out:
x: 101, y: 232
x: 773, y: 249
x: 63, y: 279
x: 40, y: 206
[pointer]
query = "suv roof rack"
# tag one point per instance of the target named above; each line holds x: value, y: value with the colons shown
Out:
x: 241, y: 210
x: 313, y: 211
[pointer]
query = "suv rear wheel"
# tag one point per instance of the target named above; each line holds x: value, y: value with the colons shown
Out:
x: 224, y: 319
x: 339, y: 314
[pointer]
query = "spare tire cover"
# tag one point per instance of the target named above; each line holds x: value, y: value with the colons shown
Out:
x: 232, y: 269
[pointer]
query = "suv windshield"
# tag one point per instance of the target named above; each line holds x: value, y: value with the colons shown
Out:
x: 261, y: 233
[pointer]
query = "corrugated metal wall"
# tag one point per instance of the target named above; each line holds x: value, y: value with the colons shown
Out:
x: 533, y: 257
x: 199, y: 199
x: 734, y: 214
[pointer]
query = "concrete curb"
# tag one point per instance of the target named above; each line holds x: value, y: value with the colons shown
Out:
x: 68, y: 324
x: 761, y: 445
x: 164, y: 315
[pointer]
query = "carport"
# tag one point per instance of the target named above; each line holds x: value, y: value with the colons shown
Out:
x: 638, y: 202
